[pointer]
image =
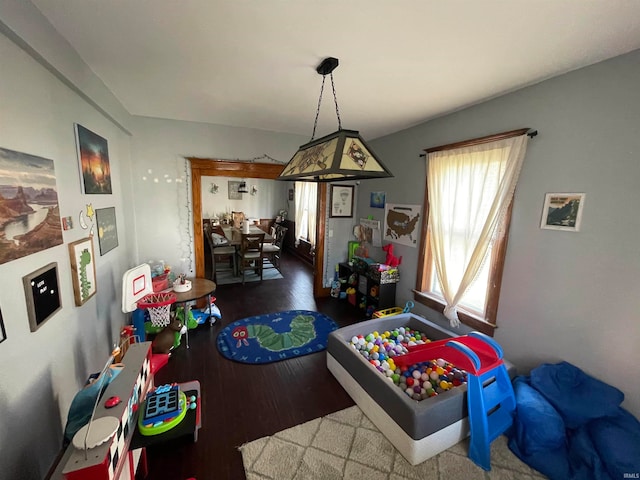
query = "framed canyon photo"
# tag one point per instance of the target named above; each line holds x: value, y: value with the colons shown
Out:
x: 29, y: 210
x: 93, y: 156
x: 83, y: 270
x: 562, y: 211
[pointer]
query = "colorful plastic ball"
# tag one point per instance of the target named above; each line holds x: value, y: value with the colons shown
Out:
x: 416, y: 374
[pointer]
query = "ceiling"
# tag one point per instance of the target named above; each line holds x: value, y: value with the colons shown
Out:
x: 251, y: 63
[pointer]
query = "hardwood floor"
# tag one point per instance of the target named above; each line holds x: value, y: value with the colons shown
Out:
x: 241, y: 402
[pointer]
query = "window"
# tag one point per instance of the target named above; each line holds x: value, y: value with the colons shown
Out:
x: 468, y: 197
x: 306, y: 202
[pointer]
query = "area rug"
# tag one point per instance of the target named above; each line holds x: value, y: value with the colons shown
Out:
x: 275, y: 336
x: 346, y: 445
x: 226, y: 277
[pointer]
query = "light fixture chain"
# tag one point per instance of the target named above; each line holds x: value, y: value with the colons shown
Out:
x: 315, y: 124
x: 335, y: 99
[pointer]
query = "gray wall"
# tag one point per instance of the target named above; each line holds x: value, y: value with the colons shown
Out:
x: 565, y: 295
x: 41, y: 371
x: 162, y: 209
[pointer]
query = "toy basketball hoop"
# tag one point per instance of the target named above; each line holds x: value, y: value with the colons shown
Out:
x: 159, y: 307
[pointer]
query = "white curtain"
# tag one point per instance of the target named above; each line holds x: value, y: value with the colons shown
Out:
x: 306, y: 201
x: 470, y: 189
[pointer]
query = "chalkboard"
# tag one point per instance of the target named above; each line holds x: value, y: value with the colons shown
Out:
x: 42, y: 294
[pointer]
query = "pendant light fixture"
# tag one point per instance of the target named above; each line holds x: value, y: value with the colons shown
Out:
x: 341, y: 155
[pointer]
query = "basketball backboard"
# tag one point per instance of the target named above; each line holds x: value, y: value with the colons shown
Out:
x: 136, y: 283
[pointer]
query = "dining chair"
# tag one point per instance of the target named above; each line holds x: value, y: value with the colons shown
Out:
x: 250, y: 253
x: 271, y: 252
x: 220, y: 253
x: 266, y: 224
x: 237, y: 218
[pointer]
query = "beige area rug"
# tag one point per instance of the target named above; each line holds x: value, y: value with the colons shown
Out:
x: 346, y: 445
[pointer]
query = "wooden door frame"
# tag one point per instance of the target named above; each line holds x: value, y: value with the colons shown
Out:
x: 208, y: 167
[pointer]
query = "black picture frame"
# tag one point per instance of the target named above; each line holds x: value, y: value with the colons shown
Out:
x: 107, y: 229
x: 341, y: 204
x: 3, y: 332
x: 42, y: 293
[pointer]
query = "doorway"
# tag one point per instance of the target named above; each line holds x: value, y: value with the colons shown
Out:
x: 207, y: 167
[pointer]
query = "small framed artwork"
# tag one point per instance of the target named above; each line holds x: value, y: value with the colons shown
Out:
x: 3, y: 333
x: 107, y: 229
x: 93, y: 155
x: 341, y: 201
x: 377, y: 199
x: 562, y: 211
x: 42, y: 294
x: 234, y: 190
x: 291, y: 194
x: 83, y: 270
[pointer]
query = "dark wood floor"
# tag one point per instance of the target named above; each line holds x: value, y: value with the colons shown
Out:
x: 241, y: 402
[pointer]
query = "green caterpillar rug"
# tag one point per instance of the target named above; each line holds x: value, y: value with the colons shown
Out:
x: 275, y: 336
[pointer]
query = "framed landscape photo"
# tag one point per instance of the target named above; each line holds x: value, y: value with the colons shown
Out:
x: 83, y: 270
x: 107, y: 229
x: 42, y: 294
x: 562, y: 211
x: 93, y: 155
x: 29, y: 209
x: 341, y: 201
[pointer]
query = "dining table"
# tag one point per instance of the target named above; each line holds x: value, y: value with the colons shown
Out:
x: 234, y: 235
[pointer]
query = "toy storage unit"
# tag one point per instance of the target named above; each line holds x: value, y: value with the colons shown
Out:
x: 417, y: 429
x: 376, y: 290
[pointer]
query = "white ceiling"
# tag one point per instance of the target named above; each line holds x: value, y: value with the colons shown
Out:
x: 251, y: 63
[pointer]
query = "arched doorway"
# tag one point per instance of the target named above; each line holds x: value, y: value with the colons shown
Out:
x: 207, y: 167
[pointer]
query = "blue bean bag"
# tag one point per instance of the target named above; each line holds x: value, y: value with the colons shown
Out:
x: 570, y: 426
x: 538, y: 435
x: 577, y: 396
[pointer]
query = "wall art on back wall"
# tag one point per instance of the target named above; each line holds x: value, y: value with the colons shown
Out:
x: 401, y: 224
x: 234, y: 190
x: 83, y: 270
x: 562, y: 211
x: 93, y: 155
x: 377, y: 199
x: 341, y: 201
x: 107, y: 229
x: 29, y: 205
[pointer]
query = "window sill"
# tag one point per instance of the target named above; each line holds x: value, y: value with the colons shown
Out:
x: 467, y: 318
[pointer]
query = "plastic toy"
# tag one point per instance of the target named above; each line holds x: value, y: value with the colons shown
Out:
x: 169, y: 337
x: 391, y: 259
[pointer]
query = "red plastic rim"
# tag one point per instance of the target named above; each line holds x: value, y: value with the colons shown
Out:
x: 155, y: 300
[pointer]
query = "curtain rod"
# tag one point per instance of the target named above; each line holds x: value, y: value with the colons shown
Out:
x: 530, y: 132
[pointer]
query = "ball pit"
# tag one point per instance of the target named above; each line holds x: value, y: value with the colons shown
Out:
x: 417, y: 429
x: 420, y: 381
